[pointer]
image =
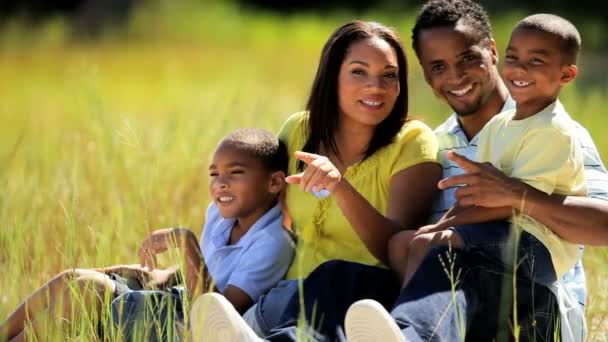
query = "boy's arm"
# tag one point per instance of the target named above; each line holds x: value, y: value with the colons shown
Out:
x: 184, y: 240
x: 195, y: 274
x: 239, y: 298
x: 459, y: 215
x: 260, y: 268
x: 576, y: 219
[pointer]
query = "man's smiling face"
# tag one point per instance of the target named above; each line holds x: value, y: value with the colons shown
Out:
x: 458, y: 66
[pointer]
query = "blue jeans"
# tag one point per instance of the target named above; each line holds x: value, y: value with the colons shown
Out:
x: 496, y: 239
x: 266, y: 312
x: 432, y: 307
x: 147, y: 315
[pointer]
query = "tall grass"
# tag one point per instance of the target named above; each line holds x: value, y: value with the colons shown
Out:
x: 101, y: 142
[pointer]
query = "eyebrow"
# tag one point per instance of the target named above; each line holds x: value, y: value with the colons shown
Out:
x: 389, y: 66
x: 438, y: 61
x: 536, y: 51
x: 231, y: 164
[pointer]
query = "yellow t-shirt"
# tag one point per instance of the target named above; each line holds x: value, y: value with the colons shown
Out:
x: 542, y: 151
x: 322, y: 231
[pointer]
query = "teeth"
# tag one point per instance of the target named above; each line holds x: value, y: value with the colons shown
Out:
x: 521, y: 83
x: 224, y: 199
x: 461, y: 91
x: 372, y: 103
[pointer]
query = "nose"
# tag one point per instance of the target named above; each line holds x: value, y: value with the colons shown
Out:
x: 220, y: 183
x: 377, y: 82
x: 456, y: 74
x: 517, y: 66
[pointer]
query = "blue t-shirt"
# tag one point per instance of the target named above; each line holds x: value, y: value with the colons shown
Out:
x: 257, y: 262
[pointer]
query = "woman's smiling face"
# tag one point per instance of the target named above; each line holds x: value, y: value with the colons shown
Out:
x: 368, y: 83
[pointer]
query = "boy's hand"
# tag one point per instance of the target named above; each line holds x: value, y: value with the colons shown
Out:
x: 319, y: 173
x: 482, y: 185
x: 129, y: 271
x: 158, y: 242
x: 155, y: 278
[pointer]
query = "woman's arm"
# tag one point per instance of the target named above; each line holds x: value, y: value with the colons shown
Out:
x: 411, y: 193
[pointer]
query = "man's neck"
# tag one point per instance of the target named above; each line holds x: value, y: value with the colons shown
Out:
x: 473, y: 123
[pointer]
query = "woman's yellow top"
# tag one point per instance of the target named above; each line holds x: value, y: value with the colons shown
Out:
x: 322, y: 232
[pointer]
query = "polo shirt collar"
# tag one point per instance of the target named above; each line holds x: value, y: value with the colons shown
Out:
x: 221, y: 235
x: 452, y: 124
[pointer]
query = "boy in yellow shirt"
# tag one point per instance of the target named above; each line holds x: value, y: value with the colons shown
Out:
x: 533, y: 143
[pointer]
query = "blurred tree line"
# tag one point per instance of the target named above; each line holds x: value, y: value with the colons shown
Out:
x: 92, y: 16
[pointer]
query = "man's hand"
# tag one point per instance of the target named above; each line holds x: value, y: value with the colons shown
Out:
x: 430, y: 228
x: 483, y: 185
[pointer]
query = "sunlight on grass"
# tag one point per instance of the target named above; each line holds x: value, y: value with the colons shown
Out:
x: 104, y: 141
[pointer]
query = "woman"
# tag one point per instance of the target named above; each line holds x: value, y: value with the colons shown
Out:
x: 362, y: 171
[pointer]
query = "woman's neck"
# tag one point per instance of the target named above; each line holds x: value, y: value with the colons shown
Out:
x: 352, y: 143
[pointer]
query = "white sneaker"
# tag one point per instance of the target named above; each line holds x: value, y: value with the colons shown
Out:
x: 213, y: 318
x: 368, y: 321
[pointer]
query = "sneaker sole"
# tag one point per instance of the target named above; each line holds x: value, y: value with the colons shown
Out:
x: 213, y: 318
x: 368, y: 321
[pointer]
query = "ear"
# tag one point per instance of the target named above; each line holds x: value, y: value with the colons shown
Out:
x: 493, y: 51
x: 569, y: 73
x: 277, y: 182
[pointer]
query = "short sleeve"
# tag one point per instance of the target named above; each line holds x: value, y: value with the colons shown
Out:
x: 212, y: 217
x: 293, y: 127
x: 416, y: 144
x: 550, y: 161
x: 264, y: 264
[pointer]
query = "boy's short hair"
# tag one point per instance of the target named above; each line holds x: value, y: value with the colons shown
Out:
x: 555, y: 25
x: 448, y: 13
x: 262, y: 145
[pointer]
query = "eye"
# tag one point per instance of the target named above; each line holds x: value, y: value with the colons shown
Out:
x: 437, y: 68
x: 537, y: 61
x: 213, y: 174
x: 358, y: 72
x: 510, y: 58
x: 391, y: 75
x: 237, y: 172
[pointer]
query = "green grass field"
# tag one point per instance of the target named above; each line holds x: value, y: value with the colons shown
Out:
x: 102, y: 142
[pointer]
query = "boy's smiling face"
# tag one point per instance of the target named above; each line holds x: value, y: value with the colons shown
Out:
x: 534, y: 69
x: 458, y: 66
x: 239, y: 184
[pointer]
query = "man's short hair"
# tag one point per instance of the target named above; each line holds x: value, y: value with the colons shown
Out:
x: 262, y: 145
x: 561, y: 28
x: 449, y: 13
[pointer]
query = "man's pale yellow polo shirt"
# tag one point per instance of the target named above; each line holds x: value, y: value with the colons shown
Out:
x: 322, y: 231
x: 542, y: 151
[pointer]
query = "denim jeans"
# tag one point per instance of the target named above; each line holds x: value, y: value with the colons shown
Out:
x: 266, y: 313
x: 496, y: 241
x: 147, y: 315
x: 475, y: 300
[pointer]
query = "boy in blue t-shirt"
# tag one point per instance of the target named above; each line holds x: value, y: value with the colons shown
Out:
x: 244, y: 246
